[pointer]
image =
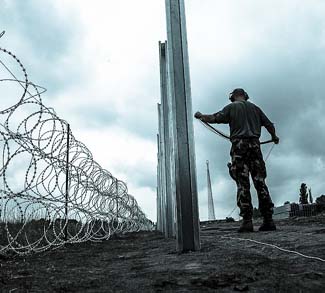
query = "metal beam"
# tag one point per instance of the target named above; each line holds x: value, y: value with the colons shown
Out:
x: 159, y: 220
x: 187, y: 234
x: 162, y: 172
x: 167, y: 145
x: 211, y: 213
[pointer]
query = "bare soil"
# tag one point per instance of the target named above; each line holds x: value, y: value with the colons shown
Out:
x: 147, y: 262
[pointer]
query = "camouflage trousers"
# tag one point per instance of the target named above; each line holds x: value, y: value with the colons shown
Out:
x: 247, y: 158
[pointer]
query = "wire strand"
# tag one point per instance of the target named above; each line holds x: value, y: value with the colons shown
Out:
x: 276, y: 247
x: 215, y: 131
x: 269, y: 153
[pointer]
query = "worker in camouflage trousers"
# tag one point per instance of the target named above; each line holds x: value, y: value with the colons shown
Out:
x: 245, y: 120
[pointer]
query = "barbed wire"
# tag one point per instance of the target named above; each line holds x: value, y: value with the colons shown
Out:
x: 39, y: 208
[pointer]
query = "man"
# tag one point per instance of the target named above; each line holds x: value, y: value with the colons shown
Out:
x: 245, y: 120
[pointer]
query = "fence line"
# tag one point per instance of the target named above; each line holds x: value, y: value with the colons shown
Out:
x: 41, y: 163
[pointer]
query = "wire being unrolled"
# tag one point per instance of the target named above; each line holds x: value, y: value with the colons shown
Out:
x: 275, y: 246
x: 223, y: 135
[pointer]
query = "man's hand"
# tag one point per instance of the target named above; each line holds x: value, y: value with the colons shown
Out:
x: 198, y: 115
x: 270, y: 128
x: 276, y: 139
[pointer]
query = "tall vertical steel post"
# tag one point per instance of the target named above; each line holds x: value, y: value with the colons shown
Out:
x: 167, y: 145
x: 67, y: 184
x: 159, y: 220
x: 162, y: 171
x: 188, y: 234
x: 211, y: 214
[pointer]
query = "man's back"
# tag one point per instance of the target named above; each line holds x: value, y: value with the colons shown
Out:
x: 245, y: 119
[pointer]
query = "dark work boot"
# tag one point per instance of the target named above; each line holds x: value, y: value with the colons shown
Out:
x: 246, y: 226
x: 268, y: 225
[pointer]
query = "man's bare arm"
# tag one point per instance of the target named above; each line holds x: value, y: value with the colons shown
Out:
x: 213, y: 118
x: 271, y: 129
x: 209, y: 118
x: 205, y: 118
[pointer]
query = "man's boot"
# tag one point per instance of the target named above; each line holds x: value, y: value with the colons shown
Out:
x: 268, y: 224
x: 246, y: 226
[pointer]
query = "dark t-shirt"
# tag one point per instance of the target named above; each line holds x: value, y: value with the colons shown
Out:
x: 244, y: 118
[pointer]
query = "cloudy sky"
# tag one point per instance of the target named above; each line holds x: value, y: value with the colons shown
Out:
x: 99, y: 62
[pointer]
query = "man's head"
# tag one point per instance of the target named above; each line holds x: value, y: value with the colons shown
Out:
x: 238, y: 95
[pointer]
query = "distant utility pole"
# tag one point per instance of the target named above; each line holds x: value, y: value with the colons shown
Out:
x: 185, y: 181
x: 211, y: 214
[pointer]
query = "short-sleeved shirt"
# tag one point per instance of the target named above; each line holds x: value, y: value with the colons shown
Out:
x: 244, y: 118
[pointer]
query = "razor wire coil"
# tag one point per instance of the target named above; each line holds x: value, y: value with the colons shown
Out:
x: 33, y: 201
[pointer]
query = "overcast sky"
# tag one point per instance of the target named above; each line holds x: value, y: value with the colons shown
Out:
x: 99, y: 62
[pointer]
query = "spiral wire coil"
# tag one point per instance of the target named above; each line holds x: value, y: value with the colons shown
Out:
x: 39, y: 208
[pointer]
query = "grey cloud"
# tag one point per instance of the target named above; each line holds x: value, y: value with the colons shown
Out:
x: 94, y: 116
x: 46, y: 36
x: 142, y: 122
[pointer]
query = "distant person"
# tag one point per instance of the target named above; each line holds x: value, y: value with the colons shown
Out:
x: 245, y: 120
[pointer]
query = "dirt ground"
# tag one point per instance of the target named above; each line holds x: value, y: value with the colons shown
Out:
x: 146, y: 262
